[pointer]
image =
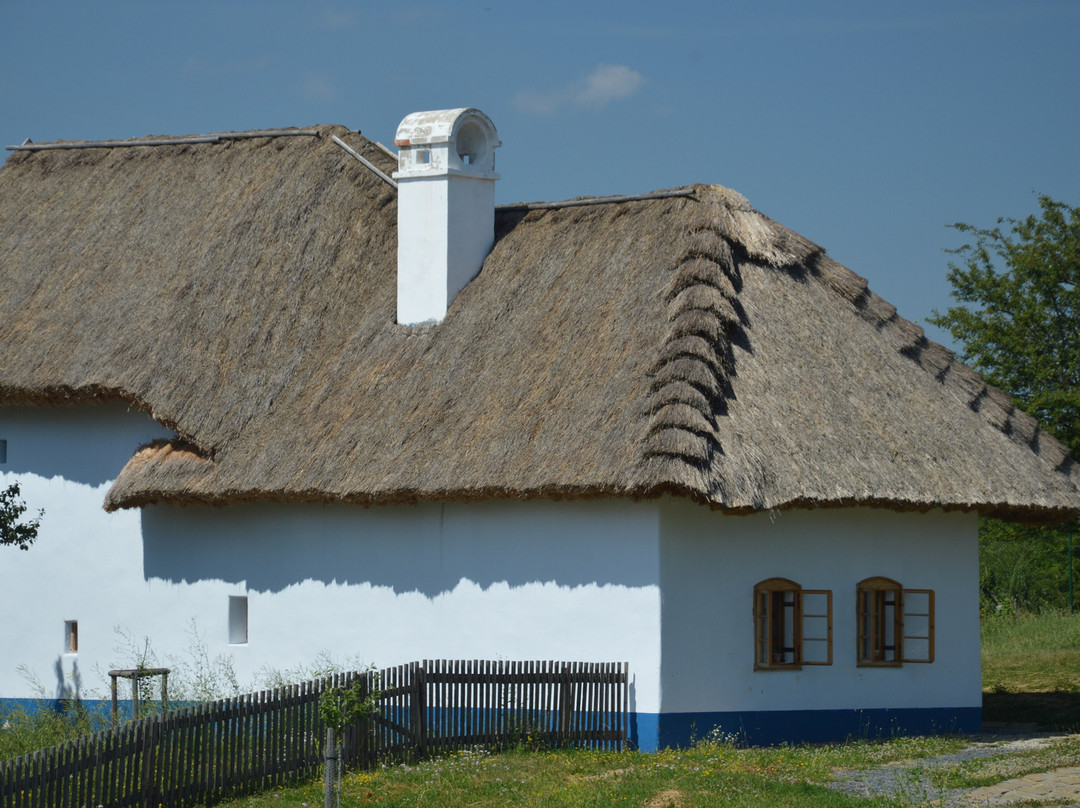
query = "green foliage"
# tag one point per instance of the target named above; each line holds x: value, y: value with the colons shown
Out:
x: 27, y: 728
x: 194, y: 676
x: 1023, y: 567
x: 13, y: 531
x: 1019, y: 318
x: 341, y: 706
x: 1018, y: 322
x: 44, y: 721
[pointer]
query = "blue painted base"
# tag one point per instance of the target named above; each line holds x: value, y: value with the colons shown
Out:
x: 652, y: 731
x: 99, y: 710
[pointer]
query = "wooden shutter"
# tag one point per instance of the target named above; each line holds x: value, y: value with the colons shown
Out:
x: 918, y: 625
x: 816, y: 627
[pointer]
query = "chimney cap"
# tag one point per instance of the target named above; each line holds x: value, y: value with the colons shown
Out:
x: 441, y: 126
x: 456, y: 141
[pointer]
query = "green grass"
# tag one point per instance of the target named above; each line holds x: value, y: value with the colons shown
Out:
x: 1058, y: 753
x: 707, y: 775
x: 24, y: 730
x: 1031, y: 669
x: 1027, y: 653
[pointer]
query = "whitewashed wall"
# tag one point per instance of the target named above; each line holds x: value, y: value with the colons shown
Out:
x: 710, y: 563
x: 509, y: 580
x: 496, y: 580
x: 86, y: 564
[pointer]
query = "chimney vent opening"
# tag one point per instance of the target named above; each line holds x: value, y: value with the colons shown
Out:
x: 472, y: 145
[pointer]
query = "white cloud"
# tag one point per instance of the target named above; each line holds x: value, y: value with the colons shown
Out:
x: 605, y: 84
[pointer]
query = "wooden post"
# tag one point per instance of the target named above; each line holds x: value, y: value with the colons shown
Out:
x: 330, y: 768
x: 149, y: 790
x: 420, y: 711
x: 566, y: 706
x: 115, y: 703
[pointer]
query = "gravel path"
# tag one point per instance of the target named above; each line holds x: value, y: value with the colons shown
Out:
x: 906, y: 779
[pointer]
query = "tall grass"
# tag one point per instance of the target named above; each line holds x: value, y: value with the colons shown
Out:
x: 1025, y: 652
x: 1031, y: 670
x: 25, y: 728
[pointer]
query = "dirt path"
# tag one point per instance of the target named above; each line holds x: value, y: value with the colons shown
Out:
x: 908, y: 779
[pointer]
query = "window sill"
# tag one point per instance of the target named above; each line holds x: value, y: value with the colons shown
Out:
x: 758, y: 667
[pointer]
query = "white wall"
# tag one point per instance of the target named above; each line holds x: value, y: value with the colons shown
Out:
x: 496, y: 580
x: 86, y: 564
x: 710, y: 563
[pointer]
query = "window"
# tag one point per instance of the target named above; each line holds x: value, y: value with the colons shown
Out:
x: 792, y: 625
x: 895, y: 625
x: 71, y: 636
x: 238, y: 620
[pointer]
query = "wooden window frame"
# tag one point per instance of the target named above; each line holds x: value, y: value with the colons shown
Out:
x: 872, y: 621
x: 771, y: 645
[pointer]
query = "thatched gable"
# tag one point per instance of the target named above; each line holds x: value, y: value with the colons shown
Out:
x: 243, y: 291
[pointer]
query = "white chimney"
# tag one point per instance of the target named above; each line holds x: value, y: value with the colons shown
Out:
x: 446, y: 207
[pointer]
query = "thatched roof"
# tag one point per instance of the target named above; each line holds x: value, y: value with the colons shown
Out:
x: 243, y: 292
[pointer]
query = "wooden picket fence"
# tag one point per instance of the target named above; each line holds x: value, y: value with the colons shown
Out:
x: 209, y: 752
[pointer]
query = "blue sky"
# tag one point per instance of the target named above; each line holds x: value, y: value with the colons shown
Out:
x: 867, y: 127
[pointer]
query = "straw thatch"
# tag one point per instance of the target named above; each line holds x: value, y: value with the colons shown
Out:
x: 243, y: 292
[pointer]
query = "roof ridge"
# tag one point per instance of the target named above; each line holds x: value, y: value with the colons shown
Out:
x: 153, y: 140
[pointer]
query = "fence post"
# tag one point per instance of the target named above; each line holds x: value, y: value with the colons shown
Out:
x: 150, y: 737
x: 419, y: 716
x: 364, y: 756
x: 566, y: 705
x: 330, y: 769
x: 115, y: 703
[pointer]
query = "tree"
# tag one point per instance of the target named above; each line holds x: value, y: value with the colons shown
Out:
x: 13, y: 531
x: 341, y: 707
x: 1019, y: 325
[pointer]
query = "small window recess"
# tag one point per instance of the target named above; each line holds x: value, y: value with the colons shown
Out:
x: 238, y: 620
x: 71, y: 636
x: 3, y: 450
x: 792, y: 625
x: 423, y: 156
